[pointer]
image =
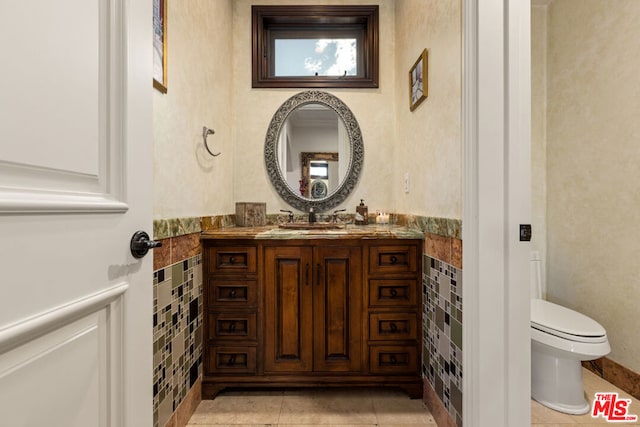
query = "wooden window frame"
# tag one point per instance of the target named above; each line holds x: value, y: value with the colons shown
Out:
x: 266, y: 20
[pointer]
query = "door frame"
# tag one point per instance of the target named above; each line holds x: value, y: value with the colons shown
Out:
x: 496, y: 104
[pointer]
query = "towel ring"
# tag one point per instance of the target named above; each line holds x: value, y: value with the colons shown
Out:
x: 205, y: 133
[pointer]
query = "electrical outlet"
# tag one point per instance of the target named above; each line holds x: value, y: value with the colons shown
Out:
x: 406, y: 182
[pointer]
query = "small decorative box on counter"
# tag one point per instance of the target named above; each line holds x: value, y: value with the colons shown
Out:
x: 251, y: 214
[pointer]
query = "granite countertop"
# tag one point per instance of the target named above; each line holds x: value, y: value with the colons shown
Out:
x: 350, y: 231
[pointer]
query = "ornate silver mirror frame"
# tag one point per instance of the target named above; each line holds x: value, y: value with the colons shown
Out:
x: 271, y: 148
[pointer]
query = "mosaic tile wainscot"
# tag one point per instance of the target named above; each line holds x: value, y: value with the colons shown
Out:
x: 442, y: 319
x: 177, y: 335
x: 442, y: 326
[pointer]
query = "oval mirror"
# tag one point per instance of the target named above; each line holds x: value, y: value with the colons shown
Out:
x: 314, y: 151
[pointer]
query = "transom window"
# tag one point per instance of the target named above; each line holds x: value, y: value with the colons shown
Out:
x: 309, y: 55
x: 315, y: 46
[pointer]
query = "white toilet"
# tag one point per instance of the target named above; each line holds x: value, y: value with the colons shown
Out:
x: 560, y: 339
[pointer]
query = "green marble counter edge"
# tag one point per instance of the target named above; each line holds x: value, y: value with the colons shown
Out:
x: 175, y: 227
x: 349, y: 232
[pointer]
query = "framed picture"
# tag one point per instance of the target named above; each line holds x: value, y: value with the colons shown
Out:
x: 160, y: 45
x: 418, y: 81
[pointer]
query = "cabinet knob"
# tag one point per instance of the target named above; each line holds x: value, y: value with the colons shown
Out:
x: 232, y: 294
x: 394, y: 293
x: 394, y: 259
x: 232, y: 360
x: 232, y: 260
x: 232, y: 327
x: 393, y: 360
x: 394, y: 328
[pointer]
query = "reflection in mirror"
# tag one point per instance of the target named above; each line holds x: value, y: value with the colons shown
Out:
x: 313, y: 151
x: 320, y: 172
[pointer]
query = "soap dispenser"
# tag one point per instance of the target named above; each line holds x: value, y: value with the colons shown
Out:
x: 362, y: 213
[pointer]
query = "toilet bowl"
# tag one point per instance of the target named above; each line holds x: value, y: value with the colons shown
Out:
x: 560, y: 339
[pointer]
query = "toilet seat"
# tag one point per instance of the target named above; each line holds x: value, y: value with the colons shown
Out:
x: 565, y: 323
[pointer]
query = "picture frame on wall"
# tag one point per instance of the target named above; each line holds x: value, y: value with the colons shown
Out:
x: 160, y: 45
x: 418, y: 82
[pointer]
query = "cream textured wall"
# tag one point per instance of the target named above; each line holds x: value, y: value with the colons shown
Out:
x: 254, y: 108
x: 593, y: 178
x: 428, y: 140
x: 539, y: 131
x: 209, y: 84
x: 187, y: 180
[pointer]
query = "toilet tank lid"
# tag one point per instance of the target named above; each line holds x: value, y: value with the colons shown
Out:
x: 564, y: 320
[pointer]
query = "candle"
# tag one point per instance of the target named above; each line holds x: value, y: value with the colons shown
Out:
x: 382, y: 218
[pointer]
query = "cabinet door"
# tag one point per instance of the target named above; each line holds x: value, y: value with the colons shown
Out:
x: 337, y: 307
x: 288, y: 294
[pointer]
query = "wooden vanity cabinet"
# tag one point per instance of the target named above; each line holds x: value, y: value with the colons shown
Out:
x: 288, y: 313
x: 313, y: 309
x: 312, y: 312
x: 394, y: 276
x: 230, y: 330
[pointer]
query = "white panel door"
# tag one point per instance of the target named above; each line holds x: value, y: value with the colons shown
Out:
x: 75, y: 184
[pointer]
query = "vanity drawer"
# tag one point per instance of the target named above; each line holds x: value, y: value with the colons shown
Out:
x: 392, y: 326
x: 232, y: 360
x: 232, y: 293
x: 229, y: 326
x: 393, y: 359
x: 233, y: 259
x: 392, y: 293
x: 393, y: 259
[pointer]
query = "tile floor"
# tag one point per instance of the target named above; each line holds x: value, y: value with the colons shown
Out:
x: 346, y: 407
x: 343, y: 407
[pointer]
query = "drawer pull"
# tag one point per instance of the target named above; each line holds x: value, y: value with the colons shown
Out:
x: 394, y: 328
x: 393, y: 360
x: 233, y: 294
x: 232, y: 327
x: 394, y: 259
x: 394, y: 293
x: 232, y: 260
x: 232, y: 360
